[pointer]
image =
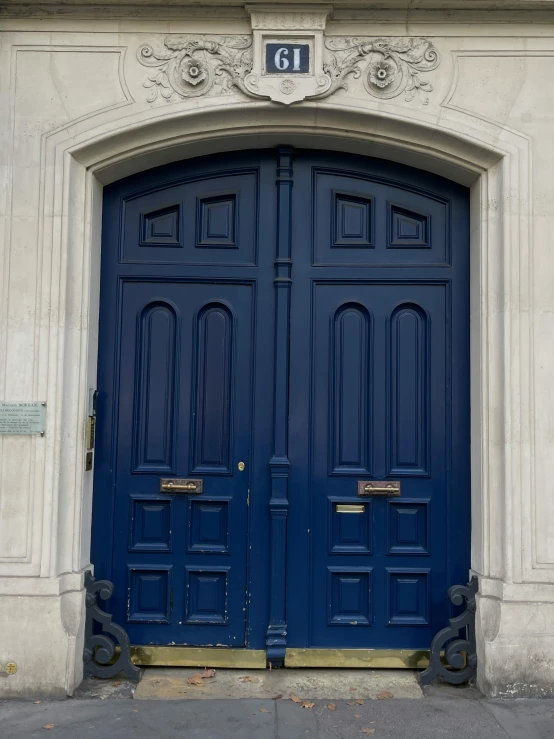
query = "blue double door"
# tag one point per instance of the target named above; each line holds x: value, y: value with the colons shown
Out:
x: 283, y: 413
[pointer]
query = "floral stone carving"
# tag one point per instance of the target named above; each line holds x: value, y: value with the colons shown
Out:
x: 393, y: 65
x: 191, y: 66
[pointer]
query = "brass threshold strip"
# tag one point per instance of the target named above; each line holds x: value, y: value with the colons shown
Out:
x: 173, y: 656
x: 255, y: 659
x: 410, y: 659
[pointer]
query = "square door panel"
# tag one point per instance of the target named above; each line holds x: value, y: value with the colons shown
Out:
x: 350, y: 602
x: 209, y: 526
x: 350, y: 526
x: 352, y: 221
x: 148, y: 598
x: 216, y: 222
x: 150, y: 527
x: 408, y: 597
x: 408, y: 525
x: 206, y: 595
x: 204, y: 221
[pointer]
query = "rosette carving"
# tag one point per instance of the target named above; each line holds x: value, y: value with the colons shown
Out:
x: 388, y: 66
x: 190, y: 66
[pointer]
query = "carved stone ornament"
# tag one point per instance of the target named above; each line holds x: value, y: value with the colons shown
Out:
x: 192, y: 66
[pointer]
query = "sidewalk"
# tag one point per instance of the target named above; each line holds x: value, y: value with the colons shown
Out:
x: 111, y: 712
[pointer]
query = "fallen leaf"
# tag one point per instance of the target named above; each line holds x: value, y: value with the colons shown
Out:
x: 116, y: 684
x: 264, y: 710
x: 295, y: 698
x: 48, y: 726
x: 208, y: 673
x: 360, y: 701
x: 384, y: 694
x: 352, y: 690
x: 331, y: 707
x: 135, y: 710
x: 357, y: 715
x: 350, y: 703
x: 36, y: 703
x: 195, y: 680
x: 267, y: 690
x: 249, y: 679
x: 367, y: 731
x: 307, y: 704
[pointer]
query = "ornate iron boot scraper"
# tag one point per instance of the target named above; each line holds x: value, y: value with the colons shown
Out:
x: 99, y: 649
x: 460, y: 653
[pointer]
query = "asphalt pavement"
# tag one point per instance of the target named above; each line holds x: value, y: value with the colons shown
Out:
x: 110, y: 711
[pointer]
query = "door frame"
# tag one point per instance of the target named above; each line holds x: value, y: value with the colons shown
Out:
x: 494, y: 162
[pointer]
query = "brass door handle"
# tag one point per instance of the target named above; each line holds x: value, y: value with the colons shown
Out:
x: 379, y: 487
x: 175, y: 485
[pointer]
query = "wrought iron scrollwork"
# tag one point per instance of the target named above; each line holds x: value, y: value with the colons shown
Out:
x: 460, y: 653
x: 100, y: 649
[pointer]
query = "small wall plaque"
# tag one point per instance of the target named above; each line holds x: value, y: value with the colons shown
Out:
x: 287, y: 58
x: 287, y: 53
x: 22, y: 417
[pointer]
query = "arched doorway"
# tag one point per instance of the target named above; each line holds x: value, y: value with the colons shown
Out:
x: 284, y: 336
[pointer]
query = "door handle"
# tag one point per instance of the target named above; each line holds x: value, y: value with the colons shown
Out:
x: 175, y: 485
x: 379, y: 487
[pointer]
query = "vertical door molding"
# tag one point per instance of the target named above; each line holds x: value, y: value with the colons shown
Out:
x: 276, y: 636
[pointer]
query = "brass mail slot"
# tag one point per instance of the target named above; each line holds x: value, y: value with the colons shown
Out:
x: 178, y: 485
x: 350, y: 508
x: 378, y: 487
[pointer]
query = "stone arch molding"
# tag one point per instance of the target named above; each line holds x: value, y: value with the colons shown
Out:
x: 82, y: 157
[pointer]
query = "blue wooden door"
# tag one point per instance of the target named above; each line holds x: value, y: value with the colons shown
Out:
x: 282, y: 331
x: 379, y: 395
x: 184, y: 347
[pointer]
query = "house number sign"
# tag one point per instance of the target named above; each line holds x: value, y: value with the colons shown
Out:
x: 22, y: 417
x: 287, y: 58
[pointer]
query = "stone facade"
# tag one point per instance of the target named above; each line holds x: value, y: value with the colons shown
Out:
x: 93, y: 93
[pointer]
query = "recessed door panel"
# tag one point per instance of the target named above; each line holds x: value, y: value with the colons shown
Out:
x: 205, y: 220
x: 364, y: 218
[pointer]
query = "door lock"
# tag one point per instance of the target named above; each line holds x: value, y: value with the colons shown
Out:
x: 175, y: 485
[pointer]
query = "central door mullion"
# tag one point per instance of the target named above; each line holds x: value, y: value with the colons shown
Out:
x: 276, y: 637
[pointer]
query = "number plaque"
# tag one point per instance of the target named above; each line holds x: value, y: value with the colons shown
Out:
x: 287, y: 54
x: 287, y: 58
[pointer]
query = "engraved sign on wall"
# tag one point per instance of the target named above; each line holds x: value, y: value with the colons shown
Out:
x: 22, y: 417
